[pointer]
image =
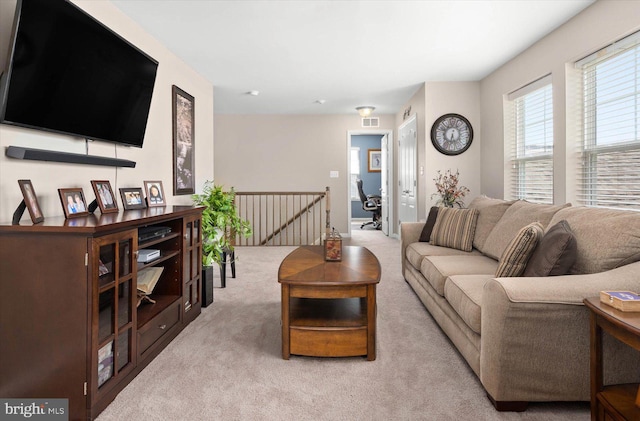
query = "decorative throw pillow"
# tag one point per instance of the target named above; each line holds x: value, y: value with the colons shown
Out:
x: 455, y: 228
x: 555, y: 254
x: 425, y: 236
x: 514, y: 258
x: 519, y: 214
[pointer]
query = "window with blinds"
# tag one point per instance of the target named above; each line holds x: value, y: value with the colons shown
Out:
x: 529, y: 134
x: 610, y: 144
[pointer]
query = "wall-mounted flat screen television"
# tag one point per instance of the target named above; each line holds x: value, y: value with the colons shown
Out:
x: 67, y: 73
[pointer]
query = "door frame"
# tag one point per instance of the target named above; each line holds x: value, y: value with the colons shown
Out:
x: 391, y: 179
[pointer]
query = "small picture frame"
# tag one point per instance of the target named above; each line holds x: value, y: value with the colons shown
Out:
x: 375, y: 160
x: 31, y: 201
x: 104, y: 196
x: 132, y: 198
x: 73, y: 202
x: 155, y: 193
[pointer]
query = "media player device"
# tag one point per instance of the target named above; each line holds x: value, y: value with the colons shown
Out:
x: 147, y: 255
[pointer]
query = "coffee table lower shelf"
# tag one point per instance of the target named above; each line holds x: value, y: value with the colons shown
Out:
x: 328, y: 327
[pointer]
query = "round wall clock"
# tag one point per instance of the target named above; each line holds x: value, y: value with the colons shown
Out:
x: 451, y: 134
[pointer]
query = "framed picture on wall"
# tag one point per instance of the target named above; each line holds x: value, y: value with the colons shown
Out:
x: 132, y: 198
x: 155, y: 193
x: 31, y: 201
x: 375, y: 160
x: 73, y: 202
x: 183, y: 142
x: 104, y: 196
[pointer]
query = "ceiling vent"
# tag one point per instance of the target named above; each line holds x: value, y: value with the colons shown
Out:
x: 370, y: 122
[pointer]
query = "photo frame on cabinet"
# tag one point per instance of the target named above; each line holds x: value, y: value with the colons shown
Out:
x: 374, y: 160
x: 155, y: 193
x: 104, y: 196
x: 132, y: 198
x: 31, y: 201
x: 183, y: 109
x: 73, y: 202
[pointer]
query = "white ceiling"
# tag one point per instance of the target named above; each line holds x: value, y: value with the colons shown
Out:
x: 348, y: 53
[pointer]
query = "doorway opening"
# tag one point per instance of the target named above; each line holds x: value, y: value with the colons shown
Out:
x: 369, y: 158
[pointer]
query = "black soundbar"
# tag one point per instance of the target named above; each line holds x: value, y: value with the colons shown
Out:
x: 19, y: 152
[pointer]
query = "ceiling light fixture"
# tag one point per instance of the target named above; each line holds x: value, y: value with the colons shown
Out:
x: 320, y: 101
x: 254, y: 93
x: 365, y: 110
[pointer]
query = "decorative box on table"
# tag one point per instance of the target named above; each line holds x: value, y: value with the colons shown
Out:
x: 333, y: 247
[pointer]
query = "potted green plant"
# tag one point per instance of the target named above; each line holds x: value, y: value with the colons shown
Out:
x: 220, y: 221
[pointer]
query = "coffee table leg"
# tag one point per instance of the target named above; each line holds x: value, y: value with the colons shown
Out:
x: 371, y: 322
x: 285, y: 322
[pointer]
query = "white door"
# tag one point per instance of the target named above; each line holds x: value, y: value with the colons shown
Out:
x: 384, y: 183
x: 407, y: 170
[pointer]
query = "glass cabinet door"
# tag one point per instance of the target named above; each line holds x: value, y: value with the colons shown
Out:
x: 114, y: 308
x: 192, y: 264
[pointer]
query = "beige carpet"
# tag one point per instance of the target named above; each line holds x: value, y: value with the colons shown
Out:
x: 227, y: 364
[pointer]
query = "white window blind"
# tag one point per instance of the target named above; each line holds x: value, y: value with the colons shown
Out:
x: 355, y: 172
x: 610, y: 144
x: 529, y: 117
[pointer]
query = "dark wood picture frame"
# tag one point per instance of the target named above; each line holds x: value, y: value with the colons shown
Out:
x: 104, y: 196
x: 156, y: 197
x: 132, y: 198
x: 73, y: 202
x: 31, y: 201
x: 183, y: 109
x: 374, y: 160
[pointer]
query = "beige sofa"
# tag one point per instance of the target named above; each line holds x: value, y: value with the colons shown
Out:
x: 527, y: 338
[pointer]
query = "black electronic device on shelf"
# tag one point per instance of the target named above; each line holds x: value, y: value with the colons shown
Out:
x: 146, y: 234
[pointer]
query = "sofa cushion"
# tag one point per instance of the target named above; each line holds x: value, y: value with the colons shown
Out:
x: 515, y: 257
x: 416, y: 252
x: 612, y: 242
x: 436, y: 269
x: 464, y: 294
x: 489, y: 213
x: 455, y: 228
x: 425, y: 235
x: 555, y: 254
x: 519, y: 214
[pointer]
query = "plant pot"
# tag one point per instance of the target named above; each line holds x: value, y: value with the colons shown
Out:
x: 207, y: 285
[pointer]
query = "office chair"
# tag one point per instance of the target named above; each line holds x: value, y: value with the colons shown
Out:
x: 371, y: 203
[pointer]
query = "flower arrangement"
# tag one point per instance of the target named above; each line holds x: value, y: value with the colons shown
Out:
x: 448, y: 191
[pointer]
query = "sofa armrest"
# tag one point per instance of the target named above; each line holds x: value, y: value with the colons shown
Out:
x: 535, y: 336
x: 409, y: 233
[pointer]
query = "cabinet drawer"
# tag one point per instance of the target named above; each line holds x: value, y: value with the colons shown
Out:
x: 329, y: 342
x: 158, y: 326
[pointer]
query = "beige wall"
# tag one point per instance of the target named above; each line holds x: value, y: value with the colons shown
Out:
x: 431, y: 101
x: 288, y: 153
x: 154, y: 160
x: 596, y: 27
x: 461, y: 98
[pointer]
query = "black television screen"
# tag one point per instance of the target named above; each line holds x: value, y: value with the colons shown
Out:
x: 67, y: 73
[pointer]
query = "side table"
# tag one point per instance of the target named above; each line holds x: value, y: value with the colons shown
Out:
x: 611, y: 402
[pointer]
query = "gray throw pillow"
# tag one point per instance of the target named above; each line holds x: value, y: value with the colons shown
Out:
x: 555, y: 254
x: 425, y: 235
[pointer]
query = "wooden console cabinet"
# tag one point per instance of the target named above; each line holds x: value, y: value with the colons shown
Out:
x: 70, y: 326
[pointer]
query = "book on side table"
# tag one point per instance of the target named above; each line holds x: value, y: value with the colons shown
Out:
x: 621, y: 300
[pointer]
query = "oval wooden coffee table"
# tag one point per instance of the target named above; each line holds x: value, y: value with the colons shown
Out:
x: 329, y: 308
